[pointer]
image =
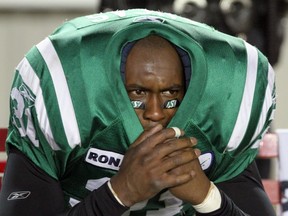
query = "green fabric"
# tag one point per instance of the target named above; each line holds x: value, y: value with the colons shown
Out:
x: 89, y: 49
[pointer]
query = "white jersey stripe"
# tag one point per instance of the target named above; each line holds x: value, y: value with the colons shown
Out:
x: 68, y: 116
x: 271, y: 81
x: 271, y: 78
x: 32, y: 81
x: 268, y: 102
x: 247, y: 99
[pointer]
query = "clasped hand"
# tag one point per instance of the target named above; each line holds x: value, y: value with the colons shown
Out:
x: 156, y: 161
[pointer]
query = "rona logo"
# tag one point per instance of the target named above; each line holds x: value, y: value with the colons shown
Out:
x: 104, y: 159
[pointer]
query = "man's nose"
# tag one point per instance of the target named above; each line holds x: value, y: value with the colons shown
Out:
x: 153, y: 109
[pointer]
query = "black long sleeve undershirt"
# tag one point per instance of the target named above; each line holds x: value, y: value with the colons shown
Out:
x: 100, y: 202
x: 108, y: 205
x: 47, y: 198
x: 228, y: 207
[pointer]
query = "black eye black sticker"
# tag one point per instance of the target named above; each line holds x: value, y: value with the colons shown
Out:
x: 169, y: 104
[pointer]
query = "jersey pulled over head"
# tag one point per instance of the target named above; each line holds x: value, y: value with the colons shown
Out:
x: 154, y: 43
x: 71, y: 115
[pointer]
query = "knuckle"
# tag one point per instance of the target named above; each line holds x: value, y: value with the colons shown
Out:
x: 146, y: 160
x: 157, y: 184
x: 191, y: 153
x: 171, y: 145
x: 152, y: 175
x: 176, y: 160
x: 167, y: 133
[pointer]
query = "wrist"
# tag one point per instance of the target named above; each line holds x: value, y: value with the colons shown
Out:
x: 120, y: 195
x: 115, y: 194
x: 212, y: 201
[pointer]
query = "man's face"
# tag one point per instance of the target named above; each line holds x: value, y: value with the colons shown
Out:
x: 153, y: 76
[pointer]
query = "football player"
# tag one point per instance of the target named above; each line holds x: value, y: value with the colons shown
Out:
x: 138, y: 113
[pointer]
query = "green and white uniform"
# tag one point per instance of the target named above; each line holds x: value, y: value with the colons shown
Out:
x: 72, y: 117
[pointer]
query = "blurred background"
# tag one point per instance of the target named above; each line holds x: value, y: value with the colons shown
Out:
x: 263, y: 23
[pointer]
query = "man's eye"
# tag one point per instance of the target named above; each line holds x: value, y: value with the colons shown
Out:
x: 170, y: 92
x: 139, y: 92
x: 136, y: 92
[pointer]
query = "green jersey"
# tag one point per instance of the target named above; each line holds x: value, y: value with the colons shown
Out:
x: 71, y: 115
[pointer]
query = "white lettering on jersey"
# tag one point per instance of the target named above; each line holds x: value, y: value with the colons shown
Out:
x: 173, y: 205
x: 73, y: 201
x: 31, y: 93
x: 21, y: 118
x: 104, y: 159
x: 94, y: 184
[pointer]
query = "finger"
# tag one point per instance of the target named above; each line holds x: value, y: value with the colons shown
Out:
x: 194, y: 141
x: 172, y: 180
x: 167, y: 134
x: 149, y: 139
x: 171, y: 147
x: 197, y: 152
x: 176, y: 132
x: 146, y: 134
x: 185, y: 168
x: 178, y: 160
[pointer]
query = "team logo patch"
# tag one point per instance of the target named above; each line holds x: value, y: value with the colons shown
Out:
x: 149, y: 19
x: 206, y: 160
x: 104, y: 159
x: 19, y: 195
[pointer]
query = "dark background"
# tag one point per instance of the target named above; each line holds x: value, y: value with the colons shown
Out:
x: 257, y: 21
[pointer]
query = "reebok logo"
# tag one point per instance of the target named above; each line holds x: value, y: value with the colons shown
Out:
x: 104, y: 159
x: 19, y: 195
